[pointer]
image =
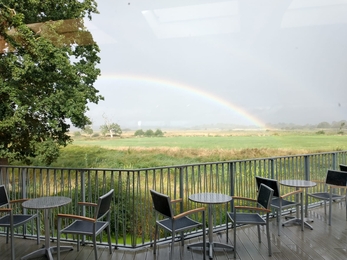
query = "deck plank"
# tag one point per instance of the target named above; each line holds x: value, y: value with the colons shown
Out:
x: 324, y: 242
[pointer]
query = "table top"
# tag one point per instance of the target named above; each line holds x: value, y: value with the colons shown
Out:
x: 298, y: 183
x: 210, y: 198
x: 46, y: 202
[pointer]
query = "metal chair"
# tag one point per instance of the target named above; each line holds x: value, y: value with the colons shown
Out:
x: 89, y: 226
x: 175, y: 223
x: 343, y: 167
x: 334, y: 180
x: 11, y: 220
x: 252, y: 217
x: 279, y: 202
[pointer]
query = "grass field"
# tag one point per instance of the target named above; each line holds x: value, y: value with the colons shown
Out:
x: 177, y: 148
x: 293, y: 141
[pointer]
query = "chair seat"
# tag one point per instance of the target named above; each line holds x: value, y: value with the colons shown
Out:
x: 285, y: 203
x: 247, y: 218
x: 84, y: 227
x: 181, y: 223
x: 325, y: 195
x: 18, y: 220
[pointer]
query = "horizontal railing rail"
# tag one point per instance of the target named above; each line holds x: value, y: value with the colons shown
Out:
x: 132, y: 214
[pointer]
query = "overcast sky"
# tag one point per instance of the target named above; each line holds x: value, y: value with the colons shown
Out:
x: 248, y: 62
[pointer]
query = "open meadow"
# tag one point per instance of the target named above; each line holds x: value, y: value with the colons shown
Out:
x: 235, y: 140
x: 184, y: 147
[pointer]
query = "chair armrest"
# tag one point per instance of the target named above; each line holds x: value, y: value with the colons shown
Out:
x: 76, y: 217
x: 176, y: 200
x: 290, y: 194
x: 253, y: 208
x: 189, y: 212
x: 318, y: 181
x: 5, y: 209
x: 18, y: 201
x: 337, y: 187
x: 87, y: 204
x: 244, y: 198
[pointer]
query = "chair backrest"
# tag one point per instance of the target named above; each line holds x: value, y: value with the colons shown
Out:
x: 3, y: 196
x: 272, y: 183
x: 265, y: 194
x: 104, y: 204
x: 343, y: 168
x: 336, y: 178
x: 162, y: 203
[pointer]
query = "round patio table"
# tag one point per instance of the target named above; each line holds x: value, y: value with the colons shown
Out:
x: 211, y: 199
x: 46, y: 204
x: 298, y: 184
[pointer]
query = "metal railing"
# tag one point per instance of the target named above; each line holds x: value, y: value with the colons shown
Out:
x: 132, y: 214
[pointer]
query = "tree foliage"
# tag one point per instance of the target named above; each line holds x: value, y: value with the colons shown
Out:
x: 112, y: 129
x: 46, y: 76
x: 158, y: 133
x: 149, y: 133
x: 139, y: 132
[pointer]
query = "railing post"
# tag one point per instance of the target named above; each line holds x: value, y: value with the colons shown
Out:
x: 307, y: 168
x: 232, y: 182
x: 23, y: 184
x: 181, y: 188
x: 334, y: 161
x: 83, y: 194
x: 272, y: 168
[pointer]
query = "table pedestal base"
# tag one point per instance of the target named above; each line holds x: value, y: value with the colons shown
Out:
x: 297, y: 221
x: 47, y: 252
x: 211, y: 247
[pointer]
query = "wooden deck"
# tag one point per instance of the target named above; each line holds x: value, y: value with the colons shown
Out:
x: 323, y: 242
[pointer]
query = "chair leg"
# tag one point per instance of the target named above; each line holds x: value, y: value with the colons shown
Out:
x: 330, y: 206
x: 302, y: 213
x: 155, y: 239
x: 182, y: 238
x: 259, y: 234
x: 38, y: 228
x: 95, y: 249
x: 227, y: 228
x: 306, y: 204
x: 268, y: 234
x: 279, y: 222
x: 204, y: 235
x: 7, y: 234
x: 58, y: 238
x: 172, y: 244
x: 325, y: 207
x: 234, y: 226
x: 12, y: 244
x: 109, y: 238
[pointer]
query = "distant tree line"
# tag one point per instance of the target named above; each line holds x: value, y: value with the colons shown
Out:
x: 115, y: 130
x: 149, y: 133
x: 340, y: 125
x: 337, y: 125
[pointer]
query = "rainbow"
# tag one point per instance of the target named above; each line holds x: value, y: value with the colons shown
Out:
x: 189, y: 89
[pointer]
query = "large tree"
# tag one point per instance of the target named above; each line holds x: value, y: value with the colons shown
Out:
x: 48, y: 66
